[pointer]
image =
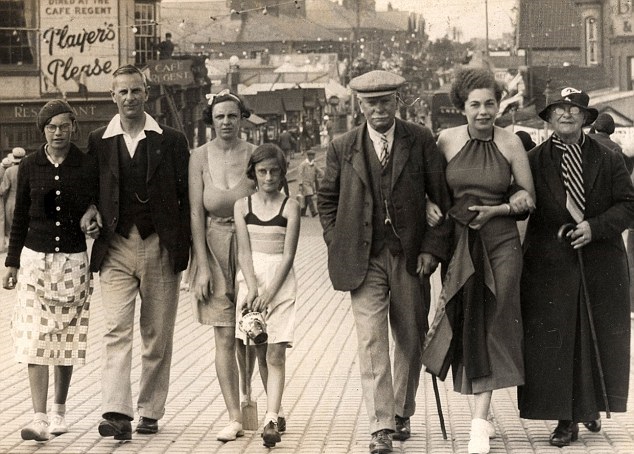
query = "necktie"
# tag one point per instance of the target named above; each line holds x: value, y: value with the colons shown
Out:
x: 572, y: 173
x: 385, y: 151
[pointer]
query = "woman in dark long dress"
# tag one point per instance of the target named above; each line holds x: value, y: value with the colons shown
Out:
x: 479, y: 309
x: 562, y: 379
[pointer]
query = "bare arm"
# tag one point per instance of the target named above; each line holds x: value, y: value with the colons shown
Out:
x: 245, y: 259
x: 202, y: 287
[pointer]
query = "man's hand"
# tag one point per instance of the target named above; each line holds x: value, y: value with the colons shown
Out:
x: 426, y: 264
x: 581, y: 235
x: 91, y: 222
x: 521, y: 202
x: 434, y: 214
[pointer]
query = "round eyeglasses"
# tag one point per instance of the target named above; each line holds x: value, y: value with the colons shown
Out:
x: 572, y: 110
x: 64, y: 128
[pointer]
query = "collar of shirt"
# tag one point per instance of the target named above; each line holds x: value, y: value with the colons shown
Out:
x: 375, y: 136
x: 114, y: 129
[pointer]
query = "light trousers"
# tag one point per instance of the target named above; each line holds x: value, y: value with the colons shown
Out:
x: 132, y: 267
x: 389, y: 298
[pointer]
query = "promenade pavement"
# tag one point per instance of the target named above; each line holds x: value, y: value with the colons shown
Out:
x: 322, y: 399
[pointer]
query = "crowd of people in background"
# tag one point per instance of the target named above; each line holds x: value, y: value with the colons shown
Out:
x: 394, y: 202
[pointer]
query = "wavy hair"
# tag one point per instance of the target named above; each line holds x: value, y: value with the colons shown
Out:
x: 469, y: 79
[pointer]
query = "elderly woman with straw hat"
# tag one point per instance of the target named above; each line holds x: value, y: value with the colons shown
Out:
x: 586, y: 188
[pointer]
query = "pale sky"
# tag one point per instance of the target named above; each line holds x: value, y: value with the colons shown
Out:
x: 441, y: 15
x: 467, y: 15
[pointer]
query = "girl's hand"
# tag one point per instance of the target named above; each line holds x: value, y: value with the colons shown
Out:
x: 484, y: 214
x: 10, y: 278
x: 434, y: 214
x: 261, y: 303
x: 247, y: 304
x: 203, y: 287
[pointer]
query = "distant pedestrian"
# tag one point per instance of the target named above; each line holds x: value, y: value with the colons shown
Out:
x: 371, y: 204
x: 48, y: 264
x: 577, y: 182
x: 309, y: 176
x: 6, y: 163
x: 267, y: 227
x: 601, y: 130
x: 527, y: 141
x: 9, y: 186
x: 287, y: 144
x: 166, y: 47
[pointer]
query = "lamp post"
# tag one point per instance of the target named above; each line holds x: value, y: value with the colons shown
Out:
x: 233, y: 76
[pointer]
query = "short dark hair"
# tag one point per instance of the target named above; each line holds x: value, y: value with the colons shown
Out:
x: 168, y: 35
x: 224, y: 96
x: 262, y: 153
x: 469, y: 79
x: 129, y: 69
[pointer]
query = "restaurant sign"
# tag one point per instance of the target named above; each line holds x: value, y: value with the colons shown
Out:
x: 79, y: 45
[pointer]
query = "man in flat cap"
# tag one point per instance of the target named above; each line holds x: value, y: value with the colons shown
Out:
x: 372, y: 207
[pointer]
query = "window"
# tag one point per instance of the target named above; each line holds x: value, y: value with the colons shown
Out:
x: 145, y: 36
x: 592, y: 41
x: 17, y: 46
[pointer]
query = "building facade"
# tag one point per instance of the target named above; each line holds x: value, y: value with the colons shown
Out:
x: 67, y: 49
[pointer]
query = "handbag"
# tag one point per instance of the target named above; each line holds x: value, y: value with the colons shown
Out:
x: 460, y: 212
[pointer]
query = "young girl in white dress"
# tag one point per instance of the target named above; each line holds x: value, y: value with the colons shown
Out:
x: 267, y: 228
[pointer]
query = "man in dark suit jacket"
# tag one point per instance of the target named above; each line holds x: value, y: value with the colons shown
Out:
x: 372, y: 207
x: 143, y: 245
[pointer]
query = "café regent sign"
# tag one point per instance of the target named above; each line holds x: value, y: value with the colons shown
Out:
x: 170, y: 72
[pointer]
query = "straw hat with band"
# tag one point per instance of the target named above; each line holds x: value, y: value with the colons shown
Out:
x: 572, y: 97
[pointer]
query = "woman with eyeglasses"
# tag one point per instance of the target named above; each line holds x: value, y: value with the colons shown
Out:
x: 479, y: 302
x: 217, y: 179
x: 586, y: 188
x: 48, y: 265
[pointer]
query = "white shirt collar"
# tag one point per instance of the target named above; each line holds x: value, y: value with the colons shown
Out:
x: 376, y: 135
x: 114, y: 127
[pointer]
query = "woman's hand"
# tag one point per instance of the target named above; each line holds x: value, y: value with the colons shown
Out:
x: 521, y: 202
x: 10, y: 278
x: 203, y: 287
x: 434, y: 214
x: 484, y: 214
x: 581, y: 235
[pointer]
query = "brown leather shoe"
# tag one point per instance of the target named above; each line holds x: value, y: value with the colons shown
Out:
x: 565, y: 433
x: 403, y: 430
x: 271, y: 435
x: 381, y: 442
x: 120, y: 429
x: 147, y: 426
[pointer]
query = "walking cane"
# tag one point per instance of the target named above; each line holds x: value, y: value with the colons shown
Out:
x: 562, y: 236
x: 434, y: 382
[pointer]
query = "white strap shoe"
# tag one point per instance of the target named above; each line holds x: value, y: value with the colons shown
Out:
x: 230, y: 432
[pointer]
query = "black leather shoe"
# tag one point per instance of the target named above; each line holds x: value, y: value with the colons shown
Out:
x: 271, y: 434
x: 281, y: 424
x: 593, y: 426
x: 381, y: 442
x: 403, y: 430
x: 120, y: 429
x: 147, y: 426
x: 565, y: 433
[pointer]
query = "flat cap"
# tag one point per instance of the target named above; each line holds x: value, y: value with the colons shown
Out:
x: 376, y: 83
